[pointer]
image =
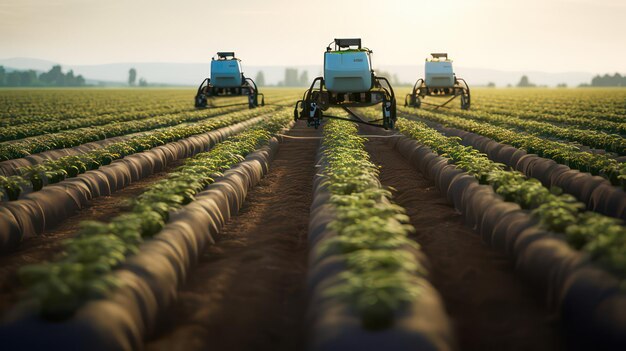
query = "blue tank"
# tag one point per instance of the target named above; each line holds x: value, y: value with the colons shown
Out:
x: 226, y: 71
x: 347, y: 71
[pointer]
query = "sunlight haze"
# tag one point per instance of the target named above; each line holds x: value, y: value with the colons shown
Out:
x: 548, y: 35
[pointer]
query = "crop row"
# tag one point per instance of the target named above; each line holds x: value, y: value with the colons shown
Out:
x: 592, y: 104
x: 577, y: 110
x: 22, y: 148
x: 564, y: 119
x: 43, y: 126
x: 365, y: 273
x: 37, y: 212
x: 566, y: 154
x: 36, y: 105
x: 83, y: 270
x: 598, y: 139
x: 46, y: 126
x: 596, y: 192
x: 588, y: 299
x: 53, y: 171
x: 602, y: 237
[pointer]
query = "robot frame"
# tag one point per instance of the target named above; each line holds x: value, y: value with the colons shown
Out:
x: 348, y: 81
x: 227, y: 80
x: 440, y: 81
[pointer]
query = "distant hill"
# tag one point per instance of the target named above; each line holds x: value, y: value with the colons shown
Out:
x: 192, y: 74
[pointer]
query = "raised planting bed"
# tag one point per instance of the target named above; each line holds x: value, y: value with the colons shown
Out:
x: 597, y: 193
x: 588, y: 137
x: 44, y: 209
x: 114, y: 282
x: 575, y: 258
x: 367, y: 280
x: 47, y: 171
x: 22, y: 148
x: 563, y: 153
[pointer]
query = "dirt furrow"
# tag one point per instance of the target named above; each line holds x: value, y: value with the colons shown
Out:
x: 248, y: 290
x: 45, y: 246
x: 490, y: 307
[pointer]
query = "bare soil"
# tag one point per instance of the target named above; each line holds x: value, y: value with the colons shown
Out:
x: 46, y: 246
x: 490, y: 307
x: 248, y: 292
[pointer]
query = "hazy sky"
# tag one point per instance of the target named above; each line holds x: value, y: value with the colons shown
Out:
x: 546, y: 35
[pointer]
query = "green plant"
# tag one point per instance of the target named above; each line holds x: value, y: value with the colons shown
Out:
x: 83, y: 270
x: 371, y: 232
x: 12, y: 186
x: 602, y: 237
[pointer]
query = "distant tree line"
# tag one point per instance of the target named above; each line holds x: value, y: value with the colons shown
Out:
x: 132, y: 78
x: 524, y: 82
x: 393, y: 78
x: 260, y: 79
x: 616, y: 80
x: 293, y: 78
x: 53, y: 78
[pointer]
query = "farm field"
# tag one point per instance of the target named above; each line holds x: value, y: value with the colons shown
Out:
x: 131, y: 220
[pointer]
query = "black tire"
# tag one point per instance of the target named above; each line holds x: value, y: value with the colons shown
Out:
x: 317, y: 120
x: 200, y: 101
x: 465, y: 101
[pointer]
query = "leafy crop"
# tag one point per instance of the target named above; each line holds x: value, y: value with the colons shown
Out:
x: 567, y: 154
x: 53, y: 171
x: 370, y: 231
x: 82, y: 271
x: 602, y: 237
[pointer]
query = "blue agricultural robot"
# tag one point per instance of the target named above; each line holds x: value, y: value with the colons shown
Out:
x: 440, y: 81
x: 348, y: 81
x: 227, y: 80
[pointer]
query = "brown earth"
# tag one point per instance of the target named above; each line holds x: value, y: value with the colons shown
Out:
x: 490, y: 307
x: 45, y: 246
x: 248, y: 290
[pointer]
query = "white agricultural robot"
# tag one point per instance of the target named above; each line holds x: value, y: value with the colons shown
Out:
x: 440, y: 82
x: 348, y: 81
x: 227, y: 80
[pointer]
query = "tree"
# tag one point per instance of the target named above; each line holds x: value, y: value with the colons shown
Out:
x: 304, y: 78
x: 3, y: 77
x: 80, y: 81
x: 132, y: 76
x: 143, y: 82
x: 291, y: 77
x: 70, y: 79
x: 28, y: 78
x: 561, y: 85
x: 606, y: 80
x: 525, y: 83
x: 491, y: 85
x: 392, y: 77
x: 54, y: 76
x: 260, y: 79
x: 13, y: 79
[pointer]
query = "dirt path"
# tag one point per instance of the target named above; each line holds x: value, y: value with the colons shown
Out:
x: 47, y: 245
x: 248, y: 290
x: 490, y: 307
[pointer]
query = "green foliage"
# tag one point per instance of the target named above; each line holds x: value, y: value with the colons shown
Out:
x: 370, y: 231
x: 602, y: 237
x: 537, y: 137
x: 11, y: 187
x: 83, y: 270
x: 53, y: 171
x: 29, y: 78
